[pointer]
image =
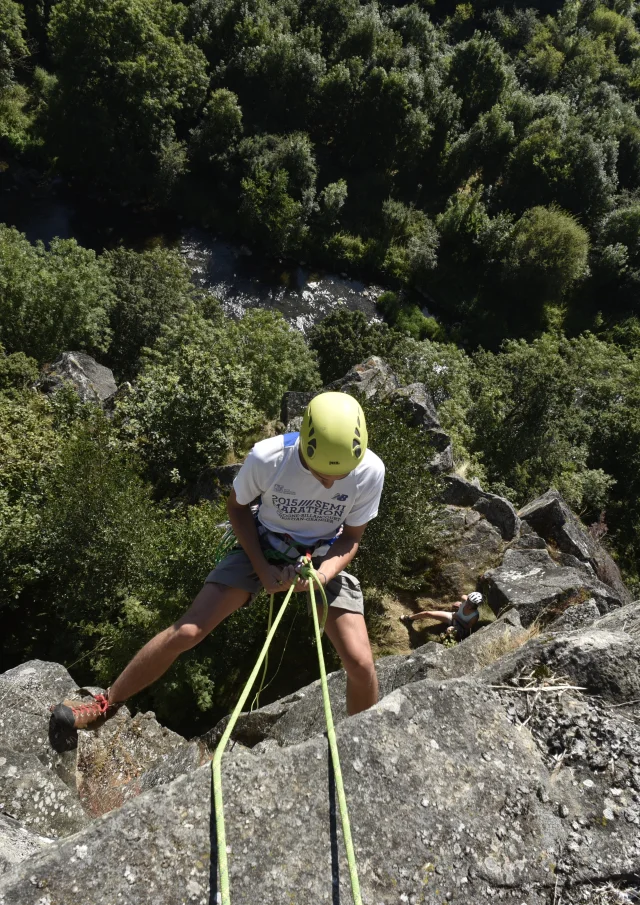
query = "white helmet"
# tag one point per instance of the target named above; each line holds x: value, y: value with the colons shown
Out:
x: 475, y: 598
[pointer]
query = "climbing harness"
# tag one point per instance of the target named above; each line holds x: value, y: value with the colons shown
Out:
x: 306, y: 571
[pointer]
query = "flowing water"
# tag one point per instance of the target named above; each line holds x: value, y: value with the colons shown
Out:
x: 240, y: 278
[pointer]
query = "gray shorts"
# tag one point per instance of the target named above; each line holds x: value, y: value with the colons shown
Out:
x: 235, y: 571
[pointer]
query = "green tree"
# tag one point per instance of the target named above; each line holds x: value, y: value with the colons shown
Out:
x: 532, y: 427
x: 275, y: 355
x: 13, y: 47
x: 14, y: 97
x: 149, y: 288
x: 479, y: 75
x: 29, y: 448
x: 52, y: 301
x: 545, y: 255
x: 399, y: 543
x: 217, y: 136
x: 445, y: 370
x: 345, y: 338
x: 207, y: 385
x: 186, y: 412
x: 556, y: 163
x: 128, y: 86
x: 271, y: 215
x: 411, y: 240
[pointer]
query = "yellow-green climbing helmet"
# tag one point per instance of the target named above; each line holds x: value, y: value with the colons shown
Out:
x: 333, y: 438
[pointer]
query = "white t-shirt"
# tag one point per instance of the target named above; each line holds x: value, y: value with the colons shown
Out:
x: 293, y: 502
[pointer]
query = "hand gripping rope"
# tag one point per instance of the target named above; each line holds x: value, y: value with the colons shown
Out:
x: 308, y: 572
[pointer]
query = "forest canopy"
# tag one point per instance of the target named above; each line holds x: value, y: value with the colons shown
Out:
x: 476, y: 153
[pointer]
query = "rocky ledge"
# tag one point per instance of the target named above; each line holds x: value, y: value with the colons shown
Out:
x: 505, y: 768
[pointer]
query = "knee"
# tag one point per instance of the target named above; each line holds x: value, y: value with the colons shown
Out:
x: 184, y: 636
x: 360, y: 668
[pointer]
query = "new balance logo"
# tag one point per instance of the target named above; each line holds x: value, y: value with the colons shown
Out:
x: 340, y: 496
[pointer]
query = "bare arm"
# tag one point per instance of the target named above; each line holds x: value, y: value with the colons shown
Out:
x: 244, y: 528
x: 440, y: 615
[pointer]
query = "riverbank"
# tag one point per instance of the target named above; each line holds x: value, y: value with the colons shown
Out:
x: 241, y: 277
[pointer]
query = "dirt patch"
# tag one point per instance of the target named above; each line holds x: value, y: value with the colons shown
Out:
x: 393, y: 638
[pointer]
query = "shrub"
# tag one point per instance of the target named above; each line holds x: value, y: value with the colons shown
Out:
x: 398, y: 544
x: 345, y: 338
x: 52, y: 301
x: 149, y: 287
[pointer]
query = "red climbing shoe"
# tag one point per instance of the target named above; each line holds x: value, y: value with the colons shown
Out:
x: 83, y: 714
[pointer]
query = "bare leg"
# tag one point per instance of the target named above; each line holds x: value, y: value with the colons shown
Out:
x: 440, y: 615
x: 213, y: 604
x: 348, y: 634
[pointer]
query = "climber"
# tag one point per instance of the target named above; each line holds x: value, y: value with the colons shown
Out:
x: 462, y: 622
x: 318, y: 490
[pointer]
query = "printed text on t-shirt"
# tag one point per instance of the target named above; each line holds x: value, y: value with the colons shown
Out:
x: 294, y: 510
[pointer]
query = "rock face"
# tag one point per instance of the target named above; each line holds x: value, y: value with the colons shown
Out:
x: 113, y: 761
x: 53, y: 786
x: 92, y: 381
x: 532, y: 582
x: 36, y: 797
x: 504, y: 814
x: 371, y: 378
x: 462, y: 783
x: 471, y: 545
x: 603, y: 662
x: 576, y: 617
x: 17, y: 843
x: 552, y: 519
x: 497, y: 510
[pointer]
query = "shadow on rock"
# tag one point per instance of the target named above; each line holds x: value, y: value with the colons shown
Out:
x: 62, y: 739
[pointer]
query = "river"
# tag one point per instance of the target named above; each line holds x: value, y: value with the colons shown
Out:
x: 240, y: 278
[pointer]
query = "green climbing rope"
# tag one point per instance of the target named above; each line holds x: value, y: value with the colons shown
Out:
x: 333, y: 744
x: 306, y: 571
x: 217, y: 757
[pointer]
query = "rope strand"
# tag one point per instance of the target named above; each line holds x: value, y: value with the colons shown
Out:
x: 306, y: 571
x: 333, y: 744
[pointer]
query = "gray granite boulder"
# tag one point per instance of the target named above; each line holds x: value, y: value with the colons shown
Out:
x: 485, y: 646
x: 528, y: 539
x: 605, y: 663
x: 17, y: 843
x: 499, y: 512
x: 183, y: 759
x: 417, y: 406
x: 459, y: 492
x: 293, y: 405
x: 576, y: 617
x: 470, y: 546
x: 92, y: 381
x: 538, y: 587
x: 300, y: 716
x: 375, y: 379
x: 372, y: 377
x: 112, y: 758
x: 500, y: 818
x: 626, y: 619
x: 36, y: 797
x: 90, y: 772
x: 552, y: 519
x: 26, y: 693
